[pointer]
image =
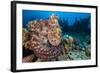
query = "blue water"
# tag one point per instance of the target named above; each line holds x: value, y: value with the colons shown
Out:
x: 29, y: 15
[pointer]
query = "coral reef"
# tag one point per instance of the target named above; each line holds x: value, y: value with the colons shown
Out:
x: 44, y: 38
x: 74, y: 49
x: 26, y: 38
x: 68, y: 43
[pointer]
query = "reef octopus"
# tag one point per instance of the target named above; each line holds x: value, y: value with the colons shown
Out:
x: 45, y: 38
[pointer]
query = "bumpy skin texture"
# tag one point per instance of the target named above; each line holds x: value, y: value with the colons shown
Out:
x: 28, y: 58
x: 54, y: 36
x: 45, y: 38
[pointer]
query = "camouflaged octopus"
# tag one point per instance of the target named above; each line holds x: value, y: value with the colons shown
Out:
x: 45, y: 38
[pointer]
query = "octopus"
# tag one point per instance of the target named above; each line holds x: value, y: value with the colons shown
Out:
x: 45, y: 39
x: 54, y: 37
x: 28, y: 58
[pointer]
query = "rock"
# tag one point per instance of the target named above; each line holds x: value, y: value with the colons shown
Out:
x: 77, y: 47
x: 88, y: 50
x: 83, y: 49
x: 76, y: 41
x: 63, y: 57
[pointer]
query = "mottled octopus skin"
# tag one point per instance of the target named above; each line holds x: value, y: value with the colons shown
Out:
x: 28, y: 58
x: 40, y: 48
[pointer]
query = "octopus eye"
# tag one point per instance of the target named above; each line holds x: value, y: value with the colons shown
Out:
x: 52, y: 40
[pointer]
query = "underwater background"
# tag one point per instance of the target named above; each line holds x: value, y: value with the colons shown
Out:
x: 69, y: 21
x: 74, y: 24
